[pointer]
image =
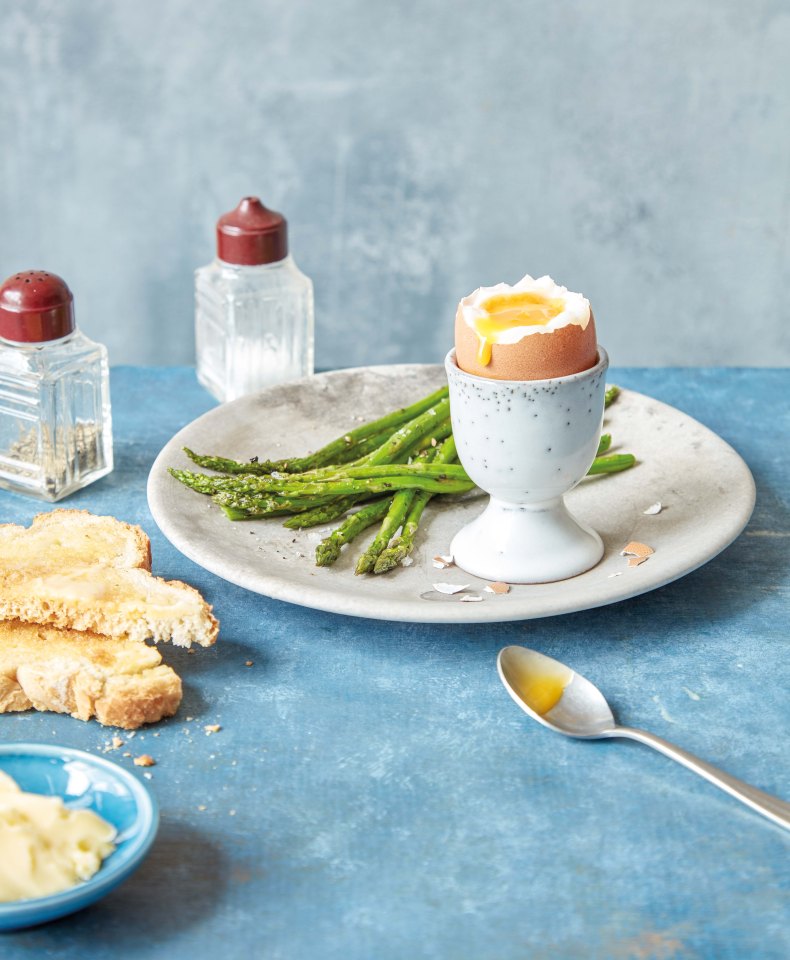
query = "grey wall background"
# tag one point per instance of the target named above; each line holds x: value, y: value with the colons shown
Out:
x: 637, y: 151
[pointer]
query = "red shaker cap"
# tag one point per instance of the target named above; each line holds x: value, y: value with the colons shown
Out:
x: 252, y: 234
x: 35, y: 306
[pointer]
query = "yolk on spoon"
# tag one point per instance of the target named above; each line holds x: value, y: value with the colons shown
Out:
x: 503, y: 311
x: 542, y: 692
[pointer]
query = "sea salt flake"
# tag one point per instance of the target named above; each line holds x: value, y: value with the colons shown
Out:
x: 653, y: 509
x: 471, y: 598
x: 406, y: 562
x: 275, y: 475
x: 449, y: 587
x: 637, y: 549
x: 497, y: 587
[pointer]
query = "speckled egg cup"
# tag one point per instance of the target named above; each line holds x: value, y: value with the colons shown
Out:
x: 527, y: 443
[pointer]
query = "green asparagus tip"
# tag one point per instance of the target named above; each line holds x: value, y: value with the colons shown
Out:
x: 326, y: 553
x: 388, y: 561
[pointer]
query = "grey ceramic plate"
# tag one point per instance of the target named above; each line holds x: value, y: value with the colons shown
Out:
x: 705, y: 487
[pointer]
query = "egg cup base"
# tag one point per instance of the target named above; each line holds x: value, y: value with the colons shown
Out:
x: 526, y: 543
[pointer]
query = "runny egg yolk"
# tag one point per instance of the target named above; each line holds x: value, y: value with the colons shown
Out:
x: 503, y: 311
x: 542, y: 692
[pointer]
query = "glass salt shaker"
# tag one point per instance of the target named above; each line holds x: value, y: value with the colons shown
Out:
x: 55, y: 424
x: 253, y: 307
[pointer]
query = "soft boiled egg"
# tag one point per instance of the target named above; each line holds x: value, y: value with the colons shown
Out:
x: 534, y: 330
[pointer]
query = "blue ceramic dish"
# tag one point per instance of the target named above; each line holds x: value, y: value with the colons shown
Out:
x: 83, y: 781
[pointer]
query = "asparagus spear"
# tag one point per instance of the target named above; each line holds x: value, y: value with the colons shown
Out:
x: 347, y: 486
x: 612, y: 393
x: 353, y: 451
x: 604, y: 443
x: 328, y: 550
x: 331, y: 452
x: 403, y: 545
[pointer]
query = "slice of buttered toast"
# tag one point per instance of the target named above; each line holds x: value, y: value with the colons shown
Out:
x: 110, y: 600
x: 77, y: 571
x: 121, y: 682
x: 63, y: 539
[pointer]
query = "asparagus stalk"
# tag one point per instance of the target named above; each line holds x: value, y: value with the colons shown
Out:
x: 325, y: 513
x: 612, y: 393
x: 604, y: 443
x: 328, y: 550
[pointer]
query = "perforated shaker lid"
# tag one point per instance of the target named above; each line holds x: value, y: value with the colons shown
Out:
x: 35, y: 306
x: 252, y: 234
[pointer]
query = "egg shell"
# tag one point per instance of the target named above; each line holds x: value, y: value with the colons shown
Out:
x: 537, y: 356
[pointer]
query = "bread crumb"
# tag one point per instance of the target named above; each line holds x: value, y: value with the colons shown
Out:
x: 144, y: 760
x: 248, y: 663
x: 148, y: 776
x: 201, y: 807
x: 116, y: 743
x: 126, y: 753
x: 190, y: 719
x: 498, y: 587
x: 212, y: 728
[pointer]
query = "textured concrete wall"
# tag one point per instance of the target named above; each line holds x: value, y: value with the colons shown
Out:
x: 637, y: 151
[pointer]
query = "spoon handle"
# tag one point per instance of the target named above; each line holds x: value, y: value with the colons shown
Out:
x: 764, y: 803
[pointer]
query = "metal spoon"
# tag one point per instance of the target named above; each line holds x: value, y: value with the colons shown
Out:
x: 566, y: 702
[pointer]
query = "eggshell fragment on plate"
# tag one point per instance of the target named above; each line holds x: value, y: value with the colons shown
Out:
x: 534, y: 330
x: 449, y: 587
x: 637, y: 549
x: 497, y: 587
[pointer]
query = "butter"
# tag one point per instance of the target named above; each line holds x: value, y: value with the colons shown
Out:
x: 44, y: 847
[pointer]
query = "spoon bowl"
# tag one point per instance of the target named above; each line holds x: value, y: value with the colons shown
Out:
x: 566, y: 702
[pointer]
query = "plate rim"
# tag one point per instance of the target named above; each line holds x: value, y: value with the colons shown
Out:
x: 323, y: 599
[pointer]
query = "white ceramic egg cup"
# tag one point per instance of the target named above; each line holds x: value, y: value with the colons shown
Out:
x: 527, y: 443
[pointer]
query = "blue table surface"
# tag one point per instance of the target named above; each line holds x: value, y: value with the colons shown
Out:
x: 374, y: 792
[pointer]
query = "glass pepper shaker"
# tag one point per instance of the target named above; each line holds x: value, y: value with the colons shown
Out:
x: 55, y: 424
x: 253, y: 307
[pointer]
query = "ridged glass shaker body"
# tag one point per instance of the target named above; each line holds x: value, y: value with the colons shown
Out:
x: 253, y: 326
x: 55, y: 423
x: 55, y: 419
